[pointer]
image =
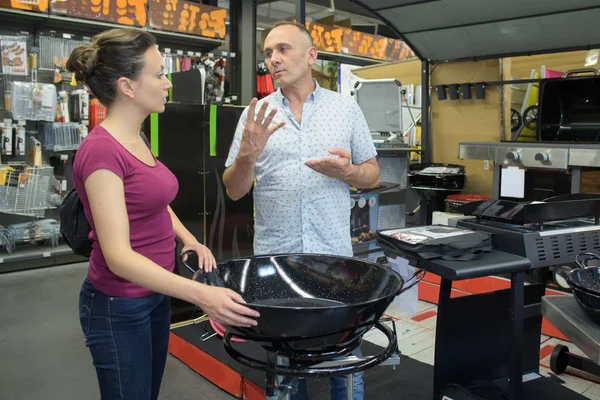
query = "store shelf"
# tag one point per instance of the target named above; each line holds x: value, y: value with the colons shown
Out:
x: 21, y: 21
x: 28, y: 257
x: 27, y: 20
x: 347, y: 59
x: 183, y: 39
x: 19, y: 15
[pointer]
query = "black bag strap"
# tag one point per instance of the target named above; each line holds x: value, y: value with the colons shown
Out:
x: 145, y: 139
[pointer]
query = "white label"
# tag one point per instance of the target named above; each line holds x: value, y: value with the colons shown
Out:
x: 48, y: 98
x: 233, y: 98
x: 179, y: 52
x: 486, y: 164
x: 210, y: 55
x: 232, y: 54
x: 47, y: 254
x: 591, y: 57
x: 224, y: 54
x: 22, y: 123
x: 64, y: 157
x: 190, y: 53
x: 67, y: 35
x: 198, y: 54
x: 167, y: 50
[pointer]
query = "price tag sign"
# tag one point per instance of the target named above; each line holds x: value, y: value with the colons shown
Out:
x: 187, y: 17
x: 397, y: 50
x: 326, y: 38
x: 124, y: 12
x: 364, y: 45
x: 35, y: 5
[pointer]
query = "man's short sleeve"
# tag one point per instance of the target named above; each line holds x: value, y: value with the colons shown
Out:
x: 237, y: 139
x: 363, y: 148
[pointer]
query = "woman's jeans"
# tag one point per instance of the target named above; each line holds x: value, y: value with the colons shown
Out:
x: 128, y: 339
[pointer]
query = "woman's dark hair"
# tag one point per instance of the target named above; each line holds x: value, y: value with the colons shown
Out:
x: 109, y: 56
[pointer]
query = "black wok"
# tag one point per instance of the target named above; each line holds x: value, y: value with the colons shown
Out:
x: 585, y: 283
x: 308, y: 302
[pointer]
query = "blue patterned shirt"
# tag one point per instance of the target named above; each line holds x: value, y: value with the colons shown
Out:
x: 299, y: 210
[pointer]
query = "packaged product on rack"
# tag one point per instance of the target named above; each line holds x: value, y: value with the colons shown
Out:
x: 79, y: 105
x: 63, y: 107
x: 14, y: 55
x: 20, y: 139
x: 33, y: 101
x: 7, y: 138
x: 60, y: 136
x: 97, y: 113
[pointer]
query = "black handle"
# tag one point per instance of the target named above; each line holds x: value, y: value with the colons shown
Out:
x: 418, y: 276
x: 196, y: 273
x: 588, y: 257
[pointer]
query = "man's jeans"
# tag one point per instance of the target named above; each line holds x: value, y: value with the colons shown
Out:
x: 337, y: 386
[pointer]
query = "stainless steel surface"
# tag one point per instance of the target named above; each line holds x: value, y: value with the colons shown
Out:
x: 540, y: 155
x: 393, y: 361
x: 533, y: 157
x: 565, y: 314
x: 477, y: 151
x: 584, y: 156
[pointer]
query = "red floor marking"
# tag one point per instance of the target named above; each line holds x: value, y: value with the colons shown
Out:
x: 424, y: 316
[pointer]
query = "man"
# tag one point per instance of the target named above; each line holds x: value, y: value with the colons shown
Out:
x: 304, y: 145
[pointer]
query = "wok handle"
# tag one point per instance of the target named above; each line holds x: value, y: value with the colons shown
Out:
x: 588, y: 256
x: 194, y: 272
x: 417, y: 276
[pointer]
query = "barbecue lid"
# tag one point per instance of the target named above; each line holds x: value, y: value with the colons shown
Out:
x: 455, y: 30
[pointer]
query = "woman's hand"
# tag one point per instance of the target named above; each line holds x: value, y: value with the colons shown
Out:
x: 226, y: 307
x: 206, y: 260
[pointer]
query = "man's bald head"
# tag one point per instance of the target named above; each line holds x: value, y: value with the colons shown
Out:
x: 301, y: 28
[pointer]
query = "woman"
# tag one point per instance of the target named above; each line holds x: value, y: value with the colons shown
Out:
x: 124, y: 302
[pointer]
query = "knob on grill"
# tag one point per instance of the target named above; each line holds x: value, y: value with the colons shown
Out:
x: 542, y: 156
x: 513, y: 155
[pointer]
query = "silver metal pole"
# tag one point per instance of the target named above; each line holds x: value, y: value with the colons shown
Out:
x: 349, y: 387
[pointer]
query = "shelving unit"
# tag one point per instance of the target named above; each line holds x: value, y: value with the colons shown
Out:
x: 26, y: 256
x: 41, y: 21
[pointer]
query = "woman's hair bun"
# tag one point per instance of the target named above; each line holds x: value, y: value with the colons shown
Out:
x: 83, y: 61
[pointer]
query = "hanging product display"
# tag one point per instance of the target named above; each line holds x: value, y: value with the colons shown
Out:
x: 20, y: 138
x: 33, y: 101
x: 264, y: 81
x: 7, y: 138
x: 97, y: 113
x: 14, y: 55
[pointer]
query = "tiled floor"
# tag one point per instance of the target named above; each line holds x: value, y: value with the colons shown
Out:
x: 416, y: 339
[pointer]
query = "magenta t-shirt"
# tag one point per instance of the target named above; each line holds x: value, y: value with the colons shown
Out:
x: 148, y: 192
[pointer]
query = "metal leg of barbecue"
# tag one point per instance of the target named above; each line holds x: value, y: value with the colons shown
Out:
x: 270, y: 389
x: 278, y: 387
x: 350, y: 387
x: 284, y: 385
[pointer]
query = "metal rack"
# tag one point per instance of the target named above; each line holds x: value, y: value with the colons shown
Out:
x: 27, y: 192
x: 63, y: 136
